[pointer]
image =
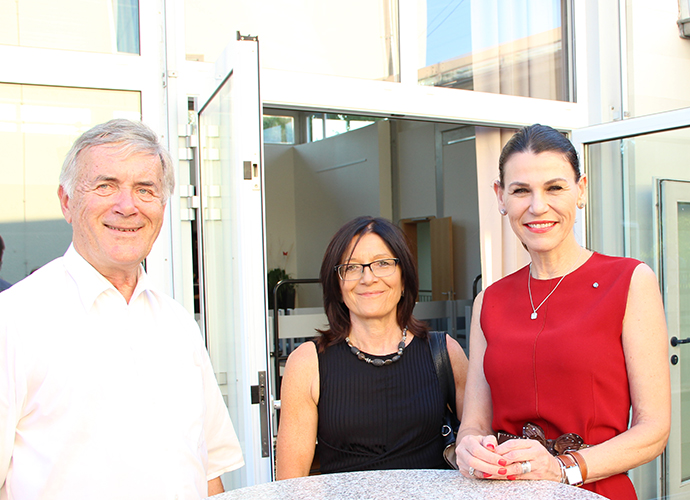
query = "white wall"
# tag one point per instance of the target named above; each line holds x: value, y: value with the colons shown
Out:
x: 460, y: 202
x: 280, y: 208
x: 415, y: 169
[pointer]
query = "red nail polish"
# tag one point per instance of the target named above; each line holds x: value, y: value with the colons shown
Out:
x: 502, y: 471
x: 486, y: 475
x: 491, y: 447
x: 511, y: 478
x: 502, y: 461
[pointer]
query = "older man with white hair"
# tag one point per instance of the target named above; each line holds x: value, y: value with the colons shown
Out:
x: 106, y: 388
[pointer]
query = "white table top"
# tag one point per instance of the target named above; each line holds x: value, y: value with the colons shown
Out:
x: 406, y: 484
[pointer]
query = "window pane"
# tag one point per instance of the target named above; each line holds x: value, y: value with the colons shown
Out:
x: 279, y: 129
x: 605, y: 196
x: 514, y: 47
x: 37, y: 127
x: 84, y: 25
x: 631, y: 221
x: 335, y: 124
x: 657, y: 58
x: 357, y: 39
x: 127, y: 20
x: 622, y: 176
x: 316, y: 128
x: 683, y: 215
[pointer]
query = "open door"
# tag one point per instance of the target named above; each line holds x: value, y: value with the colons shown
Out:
x: 440, y: 253
x: 674, y: 214
x: 643, y: 217
x: 442, y: 271
x: 232, y: 269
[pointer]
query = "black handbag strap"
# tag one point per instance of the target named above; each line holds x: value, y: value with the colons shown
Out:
x: 444, y: 370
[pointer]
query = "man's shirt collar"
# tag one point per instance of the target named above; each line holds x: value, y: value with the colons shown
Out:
x: 91, y: 284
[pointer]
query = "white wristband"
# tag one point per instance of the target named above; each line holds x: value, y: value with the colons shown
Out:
x: 562, y: 466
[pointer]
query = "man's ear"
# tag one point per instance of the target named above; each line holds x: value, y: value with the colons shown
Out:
x: 64, y: 204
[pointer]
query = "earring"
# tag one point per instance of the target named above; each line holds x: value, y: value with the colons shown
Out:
x: 580, y: 204
x: 503, y: 211
x: 402, y: 293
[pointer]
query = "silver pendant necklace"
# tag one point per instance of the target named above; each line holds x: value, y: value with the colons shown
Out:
x: 529, y: 286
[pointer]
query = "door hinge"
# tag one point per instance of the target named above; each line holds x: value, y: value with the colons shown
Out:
x: 189, y: 202
x: 251, y: 38
x: 210, y: 213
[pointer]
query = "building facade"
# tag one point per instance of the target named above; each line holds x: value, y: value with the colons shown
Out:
x: 288, y: 118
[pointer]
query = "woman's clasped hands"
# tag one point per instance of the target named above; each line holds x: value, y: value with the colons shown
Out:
x: 481, y: 457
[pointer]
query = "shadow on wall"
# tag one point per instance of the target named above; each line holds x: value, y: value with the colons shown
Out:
x: 30, y: 245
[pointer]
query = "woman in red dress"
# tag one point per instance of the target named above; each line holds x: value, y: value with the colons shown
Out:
x: 563, y: 349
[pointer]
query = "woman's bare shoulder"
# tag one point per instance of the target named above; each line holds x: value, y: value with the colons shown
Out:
x: 304, y: 356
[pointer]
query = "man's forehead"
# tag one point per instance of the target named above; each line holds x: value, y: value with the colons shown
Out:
x: 96, y: 159
x: 118, y: 150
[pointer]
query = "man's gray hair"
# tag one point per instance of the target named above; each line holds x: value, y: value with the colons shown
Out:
x: 131, y: 137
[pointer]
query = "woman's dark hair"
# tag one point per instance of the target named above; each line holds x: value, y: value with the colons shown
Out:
x: 537, y: 139
x: 337, y: 312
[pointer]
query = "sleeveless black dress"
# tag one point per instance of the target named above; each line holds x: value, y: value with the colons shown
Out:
x: 374, y: 418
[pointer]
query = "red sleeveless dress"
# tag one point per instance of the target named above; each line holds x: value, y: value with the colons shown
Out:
x: 564, y: 370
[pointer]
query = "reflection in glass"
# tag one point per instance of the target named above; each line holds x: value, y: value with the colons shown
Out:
x: 127, y: 26
x: 279, y: 129
x: 514, y: 47
x: 323, y: 125
x: 625, y: 218
x: 621, y: 184
x: 605, y: 196
x: 684, y: 313
x: 85, y: 25
x: 654, y: 42
x: 355, y: 39
x: 220, y: 278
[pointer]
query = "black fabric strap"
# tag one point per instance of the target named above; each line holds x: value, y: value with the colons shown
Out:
x: 444, y: 370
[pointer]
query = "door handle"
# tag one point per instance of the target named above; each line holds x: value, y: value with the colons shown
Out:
x: 675, y: 341
x: 259, y: 395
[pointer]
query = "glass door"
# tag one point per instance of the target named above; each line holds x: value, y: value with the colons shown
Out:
x: 674, y: 206
x: 628, y: 215
x: 232, y: 264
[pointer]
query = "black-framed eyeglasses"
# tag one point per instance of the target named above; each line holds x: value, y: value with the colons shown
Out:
x: 379, y: 268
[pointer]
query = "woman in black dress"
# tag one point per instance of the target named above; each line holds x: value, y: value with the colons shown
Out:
x: 366, y: 389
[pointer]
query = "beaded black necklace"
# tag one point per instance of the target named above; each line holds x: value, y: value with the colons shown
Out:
x: 379, y: 362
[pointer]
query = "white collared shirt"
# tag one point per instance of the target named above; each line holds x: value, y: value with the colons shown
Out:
x: 104, y: 399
